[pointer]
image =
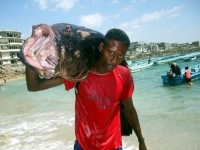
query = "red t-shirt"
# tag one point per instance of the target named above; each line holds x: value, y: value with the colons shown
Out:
x: 97, y: 120
x: 188, y: 74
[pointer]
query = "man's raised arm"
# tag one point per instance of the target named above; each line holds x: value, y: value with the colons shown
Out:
x: 35, y: 83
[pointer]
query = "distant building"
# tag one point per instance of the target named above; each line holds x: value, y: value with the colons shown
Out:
x: 141, y: 49
x: 196, y: 43
x: 175, y: 44
x: 138, y: 46
x: 138, y: 43
x: 164, y: 46
x: 152, y: 47
x: 10, y: 45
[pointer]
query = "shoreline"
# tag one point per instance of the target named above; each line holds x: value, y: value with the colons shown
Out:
x: 16, y: 71
x: 139, y: 56
x: 11, y: 72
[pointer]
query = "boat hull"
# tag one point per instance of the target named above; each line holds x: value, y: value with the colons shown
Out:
x: 140, y: 66
x: 175, y: 80
x: 189, y: 58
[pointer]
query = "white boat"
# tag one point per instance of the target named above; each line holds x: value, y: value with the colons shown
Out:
x: 166, y: 59
x: 189, y: 58
x: 141, y: 65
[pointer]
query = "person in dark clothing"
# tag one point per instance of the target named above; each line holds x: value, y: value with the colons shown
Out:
x: 149, y: 60
x: 175, y: 69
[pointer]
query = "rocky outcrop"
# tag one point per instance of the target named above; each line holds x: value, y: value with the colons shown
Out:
x: 11, y: 71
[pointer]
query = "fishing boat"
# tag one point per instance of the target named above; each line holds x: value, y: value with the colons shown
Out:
x: 189, y: 58
x: 139, y: 66
x: 179, y: 79
x: 166, y: 59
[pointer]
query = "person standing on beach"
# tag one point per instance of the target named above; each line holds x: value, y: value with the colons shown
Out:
x: 97, y: 104
x: 188, y: 75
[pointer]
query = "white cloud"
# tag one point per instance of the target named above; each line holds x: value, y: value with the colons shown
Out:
x: 42, y: 3
x: 151, y: 16
x: 93, y: 20
x: 158, y: 14
x: 176, y: 8
x: 145, y: 18
x: 56, y: 4
x: 115, y: 2
x: 64, y: 4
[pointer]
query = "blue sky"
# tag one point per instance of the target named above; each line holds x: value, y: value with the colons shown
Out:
x: 143, y: 20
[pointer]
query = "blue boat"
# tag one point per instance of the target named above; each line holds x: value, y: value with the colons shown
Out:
x: 179, y: 79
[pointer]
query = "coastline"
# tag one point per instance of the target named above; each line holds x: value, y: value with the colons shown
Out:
x: 136, y: 56
x: 17, y: 71
x: 11, y: 72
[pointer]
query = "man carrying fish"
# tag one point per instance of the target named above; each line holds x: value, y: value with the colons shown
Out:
x: 98, y: 95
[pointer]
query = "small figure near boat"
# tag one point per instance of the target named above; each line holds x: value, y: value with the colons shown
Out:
x: 188, y: 75
x: 149, y: 60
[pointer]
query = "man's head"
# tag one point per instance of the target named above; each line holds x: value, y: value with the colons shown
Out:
x: 172, y: 64
x: 113, y: 49
x: 117, y: 34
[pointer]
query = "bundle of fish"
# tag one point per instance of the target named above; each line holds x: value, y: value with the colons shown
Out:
x: 61, y: 49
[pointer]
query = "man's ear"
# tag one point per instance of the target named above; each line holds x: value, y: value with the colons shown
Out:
x: 101, y: 46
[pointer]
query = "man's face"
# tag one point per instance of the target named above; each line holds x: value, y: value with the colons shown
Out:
x: 112, y: 55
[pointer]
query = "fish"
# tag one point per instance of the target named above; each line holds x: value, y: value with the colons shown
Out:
x: 61, y: 49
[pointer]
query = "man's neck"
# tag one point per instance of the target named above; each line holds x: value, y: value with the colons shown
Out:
x: 98, y: 69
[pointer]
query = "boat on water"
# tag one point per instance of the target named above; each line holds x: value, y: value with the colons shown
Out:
x: 166, y: 59
x: 186, y: 57
x: 189, y: 58
x: 129, y: 62
x: 179, y: 79
x: 139, y: 66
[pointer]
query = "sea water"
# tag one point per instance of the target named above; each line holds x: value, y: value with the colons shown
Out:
x: 169, y: 115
